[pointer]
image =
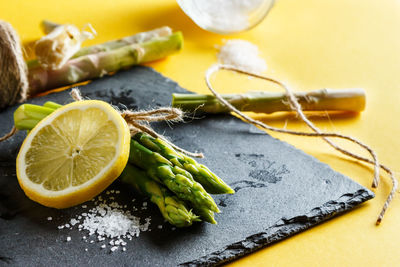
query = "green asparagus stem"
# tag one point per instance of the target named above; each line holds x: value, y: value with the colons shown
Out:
x: 52, y: 105
x: 173, y: 209
x: 176, y: 179
x: 141, y: 37
x: 138, y: 38
x: 26, y: 116
x: 96, y: 65
x: 352, y: 100
x: 211, y: 182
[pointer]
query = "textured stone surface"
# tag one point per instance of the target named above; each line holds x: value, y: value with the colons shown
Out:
x: 280, y: 191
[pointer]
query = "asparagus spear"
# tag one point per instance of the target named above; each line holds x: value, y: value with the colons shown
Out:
x: 107, y: 46
x: 176, y: 179
x: 206, y: 214
x: 265, y: 102
x: 211, y: 182
x: 96, y: 65
x: 173, y: 209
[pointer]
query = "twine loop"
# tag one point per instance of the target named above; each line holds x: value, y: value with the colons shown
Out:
x: 295, y: 106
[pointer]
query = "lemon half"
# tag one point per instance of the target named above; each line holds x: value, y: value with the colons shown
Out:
x: 73, y: 154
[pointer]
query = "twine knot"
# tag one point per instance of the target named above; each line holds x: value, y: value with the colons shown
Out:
x: 139, y: 121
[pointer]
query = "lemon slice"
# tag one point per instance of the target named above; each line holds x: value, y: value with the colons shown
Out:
x: 73, y: 154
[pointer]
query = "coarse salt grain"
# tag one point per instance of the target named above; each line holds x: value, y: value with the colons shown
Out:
x: 49, y: 218
x: 68, y: 238
x: 73, y: 221
x: 243, y: 55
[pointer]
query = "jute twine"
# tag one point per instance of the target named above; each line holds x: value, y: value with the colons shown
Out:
x: 295, y: 106
x: 13, y: 71
x: 138, y: 121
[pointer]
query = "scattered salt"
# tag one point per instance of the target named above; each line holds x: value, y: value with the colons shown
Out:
x: 84, y: 206
x: 49, y: 218
x: 86, y: 249
x: 159, y: 227
x: 108, y: 220
x: 243, y: 55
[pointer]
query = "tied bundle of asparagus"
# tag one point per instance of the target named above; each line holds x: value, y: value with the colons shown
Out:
x: 176, y: 183
x: 57, y: 67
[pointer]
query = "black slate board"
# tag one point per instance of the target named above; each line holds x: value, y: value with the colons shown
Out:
x: 280, y: 190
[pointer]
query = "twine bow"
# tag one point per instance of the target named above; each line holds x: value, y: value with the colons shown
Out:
x: 138, y: 121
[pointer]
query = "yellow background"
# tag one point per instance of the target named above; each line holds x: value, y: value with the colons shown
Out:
x: 309, y: 44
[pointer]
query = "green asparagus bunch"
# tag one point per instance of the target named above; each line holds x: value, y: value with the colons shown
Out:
x: 175, y: 178
x: 172, y: 208
x: 211, y: 182
x: 172, y: 180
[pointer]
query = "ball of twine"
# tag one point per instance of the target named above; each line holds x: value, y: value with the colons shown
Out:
x: 13, y: 70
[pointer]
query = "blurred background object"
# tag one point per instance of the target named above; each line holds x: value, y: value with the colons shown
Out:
x: 226, y: 16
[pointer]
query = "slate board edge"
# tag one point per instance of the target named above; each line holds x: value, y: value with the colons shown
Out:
x: 283, y: 229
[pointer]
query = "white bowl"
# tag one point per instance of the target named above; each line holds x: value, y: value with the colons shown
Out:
x: 226, y: 16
